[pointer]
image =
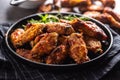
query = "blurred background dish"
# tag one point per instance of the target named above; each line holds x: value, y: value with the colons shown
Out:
x: 8, y: 10
x: 28, y: 4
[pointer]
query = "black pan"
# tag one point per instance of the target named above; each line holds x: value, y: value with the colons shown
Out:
x: 24, y: 20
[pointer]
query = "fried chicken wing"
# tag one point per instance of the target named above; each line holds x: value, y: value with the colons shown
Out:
x: 112, y: 13
x: 29, y: 34
x: 78, y: 50
x: 15, y: 35
x: 108, y: 19
x: 112, y: 21
x: 93, y: 44
x: 36, y: 40
x: 63, y: 39
x: 45, y: 8
x: 57, y: 56
x: 84, y: 5
x: 95, y: 8
x: 27, y: 26
x: 60, y: 28
x: 89, y: 28
x: 45, y: 45
x: 73, y: 3
x: 97, y: 15
x: 26, y: 54
x: 108, y: 3
x: 92, y: 13
x: 64, y: 21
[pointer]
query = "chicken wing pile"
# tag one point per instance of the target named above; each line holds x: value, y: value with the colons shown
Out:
x: 56, y: 42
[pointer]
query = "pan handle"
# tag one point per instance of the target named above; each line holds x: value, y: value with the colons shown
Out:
x: 16, y: 2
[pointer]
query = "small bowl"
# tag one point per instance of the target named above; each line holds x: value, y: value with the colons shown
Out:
x: 24, y: 20
x: 27, y: 4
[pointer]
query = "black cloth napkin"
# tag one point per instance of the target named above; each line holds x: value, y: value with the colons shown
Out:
x: 11, y: 69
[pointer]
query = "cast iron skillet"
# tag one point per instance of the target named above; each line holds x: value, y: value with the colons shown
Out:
x: 24, y: 20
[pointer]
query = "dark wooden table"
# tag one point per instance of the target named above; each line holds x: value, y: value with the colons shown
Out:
x: 10, y: 14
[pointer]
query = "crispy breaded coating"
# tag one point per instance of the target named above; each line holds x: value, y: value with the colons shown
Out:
x: 60, y: 28
x: 78, y: 49
x: 63, y: 39
x: 57, y: 56
x: 26, y: 54
x: 30, y: 34
x: 89, y: 28
x: 45, y: 45
x: 15, y: 35
x: 93, y: 44
x: 36, y: 40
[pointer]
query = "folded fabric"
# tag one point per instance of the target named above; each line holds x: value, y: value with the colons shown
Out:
x: 11, y: 69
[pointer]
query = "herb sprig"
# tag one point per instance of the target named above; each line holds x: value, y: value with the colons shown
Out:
x: 45, y: 18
